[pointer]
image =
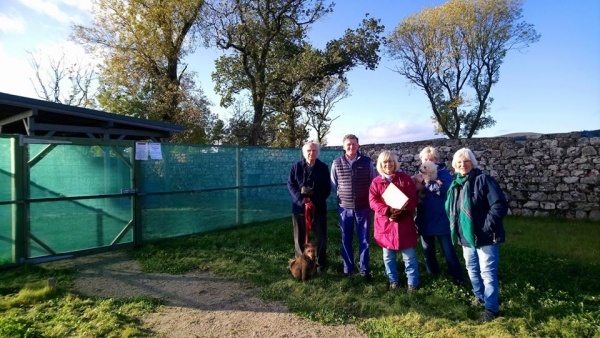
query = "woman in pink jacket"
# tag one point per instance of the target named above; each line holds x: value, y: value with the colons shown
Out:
x: 395, y: 229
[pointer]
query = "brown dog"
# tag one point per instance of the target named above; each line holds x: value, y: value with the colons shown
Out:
x: 305, y: 266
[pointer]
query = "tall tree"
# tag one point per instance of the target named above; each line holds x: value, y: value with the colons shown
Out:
x: 238, y: 126
x: 289, y: 97
x: 454, y: 52
x: 143, y: 43
x: 326, y: 97
x: 217, y: 134
x: 63, y: 80
x: 267, y: 40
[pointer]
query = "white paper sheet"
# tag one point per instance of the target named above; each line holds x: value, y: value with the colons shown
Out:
x: 155, y: 151
x: 394, y: 197
x: 141, y: 151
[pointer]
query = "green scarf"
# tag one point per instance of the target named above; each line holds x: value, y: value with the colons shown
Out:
x: 458, y: 195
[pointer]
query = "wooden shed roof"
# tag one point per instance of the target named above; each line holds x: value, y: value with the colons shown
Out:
x: 27, y: 116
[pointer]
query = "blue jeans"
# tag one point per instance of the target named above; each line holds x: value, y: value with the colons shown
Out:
x: 431, y: 262
x: 411, y: 265
x: 362, y: 219
x: 482, y: 265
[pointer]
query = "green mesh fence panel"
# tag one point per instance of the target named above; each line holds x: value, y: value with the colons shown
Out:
x: 86, y: 172
x: 196, y: 189
x: 75, y: 191
x: 6, y: 177
x: 66, y: 226
x: 182, y: 214
x: 5, y: 170
x: 199, y: 182
x: 328, y: 156
x: 186, y: 168
x: 78, y: 170
x: 6, y: 238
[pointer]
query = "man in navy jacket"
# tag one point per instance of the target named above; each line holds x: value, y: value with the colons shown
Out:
x: 310, y: 187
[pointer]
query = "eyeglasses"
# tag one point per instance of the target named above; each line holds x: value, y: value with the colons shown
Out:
x: 463, y: 162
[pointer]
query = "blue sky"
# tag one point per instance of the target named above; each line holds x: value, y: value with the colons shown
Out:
x: 552, y: 87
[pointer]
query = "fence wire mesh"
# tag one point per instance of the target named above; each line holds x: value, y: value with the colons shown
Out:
x: 79, y: 195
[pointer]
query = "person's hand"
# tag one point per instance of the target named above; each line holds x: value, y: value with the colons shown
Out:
x: 306, y: 191
x: 395, y: 214
x: 390, y: 211
x: 396, y: 218
x: 395, y: 211
x: 418, y: 178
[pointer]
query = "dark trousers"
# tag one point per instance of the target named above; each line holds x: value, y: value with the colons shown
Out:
x: 445, y: 241
x: 319, y: 229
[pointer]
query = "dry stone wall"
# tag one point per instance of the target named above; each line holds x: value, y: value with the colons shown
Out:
x: 542, y: 175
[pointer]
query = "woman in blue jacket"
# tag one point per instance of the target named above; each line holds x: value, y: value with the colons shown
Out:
x: 432, y: 221
x: 476, y: 206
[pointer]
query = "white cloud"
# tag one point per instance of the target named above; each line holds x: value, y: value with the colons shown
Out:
x: 72, y: 51
x: 83, y: 5
x: 48, y: 8
x: 57, y: 12
x: 388, y: 132
x: 12, y: 24
x: 400, y: 132
x: 15, y: 75
x: 20, y: 73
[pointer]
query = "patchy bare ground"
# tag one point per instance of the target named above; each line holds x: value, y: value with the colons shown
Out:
x: 197, y: 304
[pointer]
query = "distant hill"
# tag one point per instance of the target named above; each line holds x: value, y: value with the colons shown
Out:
x: 518, y: 134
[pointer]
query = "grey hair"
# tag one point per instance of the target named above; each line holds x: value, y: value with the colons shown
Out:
x: 311, y: 143
x: 464, y: 153
x: 350, y: 136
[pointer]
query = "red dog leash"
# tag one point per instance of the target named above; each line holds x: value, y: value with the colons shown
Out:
x: 309, y: 216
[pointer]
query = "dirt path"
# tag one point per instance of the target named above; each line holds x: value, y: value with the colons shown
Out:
x: 197, y: 304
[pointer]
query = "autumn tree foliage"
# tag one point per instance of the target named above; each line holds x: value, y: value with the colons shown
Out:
x: 454, y: 52
x: 142, y: 44
x: 269, y: 58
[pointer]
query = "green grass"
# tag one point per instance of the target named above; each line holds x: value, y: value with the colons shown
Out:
x: 549, y: 286
x: 29, y: 308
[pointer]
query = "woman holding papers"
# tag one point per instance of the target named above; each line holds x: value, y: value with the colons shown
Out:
x: 393, y: 198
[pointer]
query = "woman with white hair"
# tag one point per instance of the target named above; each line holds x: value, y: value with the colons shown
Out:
x: 476, y: 206
x: 395, y: 228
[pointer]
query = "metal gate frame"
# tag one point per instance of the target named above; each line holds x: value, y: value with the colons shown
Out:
x: 22, y: 200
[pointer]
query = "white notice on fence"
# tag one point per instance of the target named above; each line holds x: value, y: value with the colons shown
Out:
x: 141, y: 151
x: 394, y: 197
x: 155, y: 151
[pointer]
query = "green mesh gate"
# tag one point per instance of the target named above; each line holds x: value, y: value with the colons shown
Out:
x: 75, y: 197
x: 66, y: 196
x: 7, y: 206
x: 71, y: 196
